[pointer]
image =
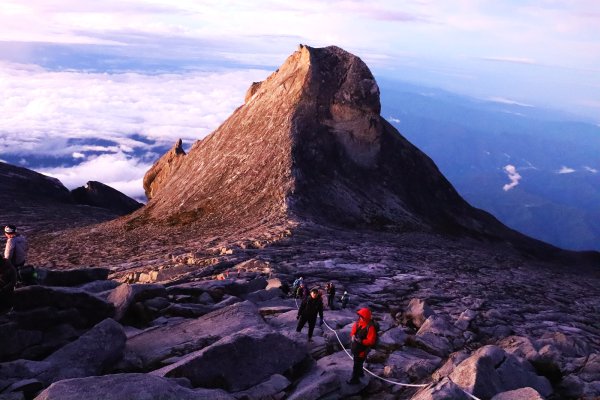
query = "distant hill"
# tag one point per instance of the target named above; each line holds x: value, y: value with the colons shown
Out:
x: 37, y: 203
x: 472, y: 141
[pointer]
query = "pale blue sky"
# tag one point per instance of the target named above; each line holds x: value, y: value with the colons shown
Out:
x: 83, y: 68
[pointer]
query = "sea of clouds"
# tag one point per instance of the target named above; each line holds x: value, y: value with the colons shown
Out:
x: 110, y: 127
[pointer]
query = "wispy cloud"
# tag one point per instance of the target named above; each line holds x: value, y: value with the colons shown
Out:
x: 513, y: 175
x: 565, y: 170
x: 517, y: 60
x: 504, y: 100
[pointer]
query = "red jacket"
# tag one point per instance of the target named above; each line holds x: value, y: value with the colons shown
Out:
x: 362, y: 323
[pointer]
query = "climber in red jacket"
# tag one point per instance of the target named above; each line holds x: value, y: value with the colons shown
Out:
x: 363, y: 336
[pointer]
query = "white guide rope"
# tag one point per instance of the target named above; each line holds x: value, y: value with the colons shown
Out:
x: 379, y: 377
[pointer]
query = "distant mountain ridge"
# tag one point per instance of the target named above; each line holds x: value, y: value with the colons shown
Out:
x: 473, y: 140
x: 39, y: 203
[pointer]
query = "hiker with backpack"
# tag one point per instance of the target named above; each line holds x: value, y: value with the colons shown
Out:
x: 363, y: 336
x: 16, y: 252
x: 296, y: 285
x: 344, y: 299
x: 330, y: 288
x: 8, y: 280
x: 309, y: 308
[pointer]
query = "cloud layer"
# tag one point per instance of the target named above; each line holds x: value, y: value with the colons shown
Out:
x: 62, y: 114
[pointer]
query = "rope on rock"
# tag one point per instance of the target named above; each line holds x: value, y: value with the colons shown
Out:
x: 379, y: 377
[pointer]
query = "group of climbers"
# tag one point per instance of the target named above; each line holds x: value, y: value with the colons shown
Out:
x: 363, y: 334
x: 300, y: 291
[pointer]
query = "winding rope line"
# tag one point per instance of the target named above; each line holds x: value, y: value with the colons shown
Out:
x: 364, y: 368
x: 384, y: 379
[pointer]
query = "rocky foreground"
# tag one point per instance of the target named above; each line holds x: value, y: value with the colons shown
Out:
x: 456, y: 315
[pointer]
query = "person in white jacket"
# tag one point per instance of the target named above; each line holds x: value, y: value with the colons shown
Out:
x: 16, y: 247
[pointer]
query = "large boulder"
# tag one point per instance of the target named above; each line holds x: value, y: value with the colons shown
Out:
x: 72, y: 277
x: 490, y: 370
x: 438, y: 335
x: 239, y: 361
x: 519, y: 394
x: 125, y: 295
x: 127, y: 386
x: 92, y: 354
x: 545, y: 360
x: 569, y: 346
x: 92, y: 309
x: 327, y: 379
x: 392, y: 339
x: 411, y: 364
x: 270, y: 389
x: 47, y: 318
x: 147, y: 349
x: 416, y: 313
x: 443, y: 390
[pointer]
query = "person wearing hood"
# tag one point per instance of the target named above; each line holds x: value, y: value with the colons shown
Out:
x: 363, y: 335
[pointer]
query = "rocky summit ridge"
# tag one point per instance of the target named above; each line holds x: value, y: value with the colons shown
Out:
x: 307, y: 148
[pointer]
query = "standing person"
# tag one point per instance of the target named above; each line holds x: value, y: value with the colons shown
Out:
x: 16, y: 247
x: 363, y: 336
x: 8, y: 280
x: 344, y: 299
x: 297, y: 284
x: 330, y: 287
x: 309, y: 308
x: 302, y: 292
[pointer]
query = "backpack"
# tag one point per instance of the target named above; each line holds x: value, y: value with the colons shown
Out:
x: 26, y: 275
x: 375, y: 324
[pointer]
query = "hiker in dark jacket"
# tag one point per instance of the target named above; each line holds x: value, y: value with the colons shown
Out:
x: 309, y: 308
x: 330, y: 288
x: 363, y: 336
x: 8, y: 280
